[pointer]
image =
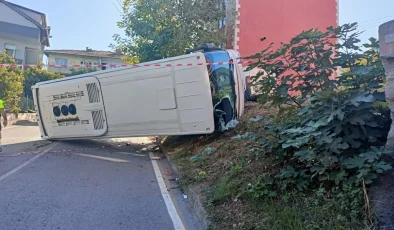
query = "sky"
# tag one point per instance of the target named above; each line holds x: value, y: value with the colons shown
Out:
x: 77, y: 24
x: 92, y: 23
x: 368, y: 13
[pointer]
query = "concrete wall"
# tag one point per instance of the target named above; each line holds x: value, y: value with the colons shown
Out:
x: 386, y: 40
x: 10, y: 16
x: 12, y: 118
x: 60, y: 70
x: 381, y: 192
x: 72, y: 60
x: 76, y: 60
x: 115, y: 61
x: 20, y: 47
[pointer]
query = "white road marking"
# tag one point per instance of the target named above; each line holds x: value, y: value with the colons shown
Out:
x: 133, y: 154
x: 104, y: 158
x: 3, y: 177
x: 176, y: 220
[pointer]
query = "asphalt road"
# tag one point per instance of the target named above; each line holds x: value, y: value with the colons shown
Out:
x: 85, y: 185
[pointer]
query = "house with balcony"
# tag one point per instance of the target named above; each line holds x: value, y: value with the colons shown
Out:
x: 24, y: 33
x: 58, y: 59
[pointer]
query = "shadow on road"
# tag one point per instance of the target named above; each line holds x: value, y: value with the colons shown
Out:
x: 126, y: 144
x: 25, y: 123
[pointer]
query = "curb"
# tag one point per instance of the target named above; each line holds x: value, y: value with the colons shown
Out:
x: 195, y: 201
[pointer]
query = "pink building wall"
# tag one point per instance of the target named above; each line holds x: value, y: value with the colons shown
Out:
x: 279, y: 21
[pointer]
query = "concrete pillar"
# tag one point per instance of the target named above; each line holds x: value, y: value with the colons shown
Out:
x: 382, y: 195
x: 386, y: 40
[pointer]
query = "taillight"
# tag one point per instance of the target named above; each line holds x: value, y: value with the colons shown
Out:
x: 72, y: 109
x: 64, y: 110
x: 56, y: 111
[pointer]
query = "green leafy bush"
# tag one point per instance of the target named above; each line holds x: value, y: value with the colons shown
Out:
x: 82, y: 70
x: 337, y: 138
x: 11, y: 83
x: 262, y: 187
x: 36, y: 74
x: 15, y: 84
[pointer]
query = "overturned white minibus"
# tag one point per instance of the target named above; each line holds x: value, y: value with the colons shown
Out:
x: 197, y: 93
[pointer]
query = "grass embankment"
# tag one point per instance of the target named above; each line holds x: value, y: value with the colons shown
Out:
x: 222, y: 168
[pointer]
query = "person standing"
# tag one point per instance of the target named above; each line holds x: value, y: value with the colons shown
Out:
x: 3, y: 114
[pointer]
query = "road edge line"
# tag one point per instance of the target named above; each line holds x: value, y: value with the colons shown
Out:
x: 9, y: 173
x: 176, y: 219
x: 193, y: 198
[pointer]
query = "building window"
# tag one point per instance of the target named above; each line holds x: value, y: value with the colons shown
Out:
x: 10, y: 49
x: 61, y: 61
x: 32, y: 56
x: 86, y: 63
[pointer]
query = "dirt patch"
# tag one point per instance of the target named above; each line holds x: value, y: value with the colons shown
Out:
x: 382, y: 197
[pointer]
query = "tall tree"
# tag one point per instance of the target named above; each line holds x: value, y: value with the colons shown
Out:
x: 158, y: 29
